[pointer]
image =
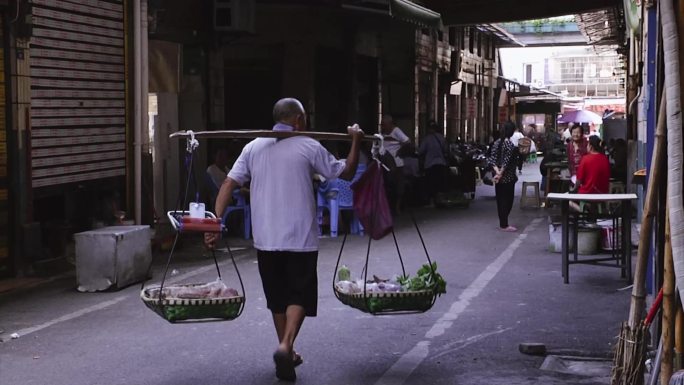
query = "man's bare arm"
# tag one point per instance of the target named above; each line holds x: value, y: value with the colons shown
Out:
x: 223, y: 199
x: 353, y: 158
x: 225, y: 195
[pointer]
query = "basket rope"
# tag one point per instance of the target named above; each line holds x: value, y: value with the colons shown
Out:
x: 161, y: 303
x: 352, y: 300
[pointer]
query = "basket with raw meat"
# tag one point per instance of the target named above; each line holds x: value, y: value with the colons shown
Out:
x: 182, y: 302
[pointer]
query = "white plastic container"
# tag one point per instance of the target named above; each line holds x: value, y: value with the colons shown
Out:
x: 588, y: 239
x: 196, y: 210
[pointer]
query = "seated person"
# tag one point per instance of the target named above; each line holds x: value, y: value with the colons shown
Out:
x: 593, y: 173
x: 218, y: 172
x: 219, y: 169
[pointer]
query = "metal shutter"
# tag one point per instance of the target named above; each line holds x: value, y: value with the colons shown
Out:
x: 77, y: 91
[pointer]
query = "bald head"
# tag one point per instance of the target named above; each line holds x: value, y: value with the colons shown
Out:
x: 287, y: 110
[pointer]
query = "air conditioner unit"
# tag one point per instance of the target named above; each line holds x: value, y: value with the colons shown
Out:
x: 234, y: 15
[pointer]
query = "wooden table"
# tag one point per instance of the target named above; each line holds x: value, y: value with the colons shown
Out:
x: 625, y: 261
x: 553, y: 171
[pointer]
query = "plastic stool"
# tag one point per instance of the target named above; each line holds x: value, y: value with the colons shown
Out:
x: 532, y: 158
x: 533, y: 201
x: 617, y: 188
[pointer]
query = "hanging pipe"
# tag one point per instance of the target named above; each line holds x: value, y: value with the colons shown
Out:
x: 137, y: 111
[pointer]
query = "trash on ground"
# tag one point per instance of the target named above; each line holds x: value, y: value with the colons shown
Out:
x: 582, y: 366
x: 532, y: 348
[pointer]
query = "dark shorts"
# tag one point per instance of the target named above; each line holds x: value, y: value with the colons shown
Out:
x: 289, y: 278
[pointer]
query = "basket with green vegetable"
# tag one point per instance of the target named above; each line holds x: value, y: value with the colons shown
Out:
x: 405, y: 294
x: 402, y: 295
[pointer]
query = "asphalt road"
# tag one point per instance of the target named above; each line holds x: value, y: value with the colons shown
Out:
x: 503, y: 289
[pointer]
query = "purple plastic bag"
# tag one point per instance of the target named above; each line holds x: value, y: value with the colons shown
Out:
x: 370, y: 202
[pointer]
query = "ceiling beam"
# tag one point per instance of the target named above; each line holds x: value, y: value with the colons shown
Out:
x: 460, y: 12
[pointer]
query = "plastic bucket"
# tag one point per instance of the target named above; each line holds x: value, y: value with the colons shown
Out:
x: 610, y: 239
x: 588, y: 239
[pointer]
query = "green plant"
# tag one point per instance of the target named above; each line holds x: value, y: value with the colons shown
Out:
x: 427, y: 278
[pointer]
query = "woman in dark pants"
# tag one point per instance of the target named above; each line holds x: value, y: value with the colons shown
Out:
x: 503, y: 160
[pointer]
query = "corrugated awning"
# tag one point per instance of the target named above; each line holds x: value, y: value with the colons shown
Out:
x: 469, y: 12
x: 506, y: 38
x: 602, y: 27
x: 400, y: 9
x: 414, y: 13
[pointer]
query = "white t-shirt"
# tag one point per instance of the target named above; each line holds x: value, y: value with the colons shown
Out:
x: 516, y: 137
x: 281, y: 190
x: 393, y: 146
x: 566, y: 134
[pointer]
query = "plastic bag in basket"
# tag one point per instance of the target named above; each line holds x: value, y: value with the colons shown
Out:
x: 370, y: 202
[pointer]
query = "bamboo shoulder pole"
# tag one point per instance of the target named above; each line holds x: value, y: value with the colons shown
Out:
x: 654, y: 181
x: 251, y: 134
x: 668, y: 308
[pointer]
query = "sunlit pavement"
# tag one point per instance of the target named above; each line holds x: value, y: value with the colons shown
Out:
x: 503, y: 289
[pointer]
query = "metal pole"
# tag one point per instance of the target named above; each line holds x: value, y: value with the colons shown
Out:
x: 137, y: 110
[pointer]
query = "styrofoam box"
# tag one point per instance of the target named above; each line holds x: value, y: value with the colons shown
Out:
x: 112, y: 257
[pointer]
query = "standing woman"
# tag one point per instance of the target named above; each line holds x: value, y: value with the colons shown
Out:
x: 502, y: 159
x: 576, y: 149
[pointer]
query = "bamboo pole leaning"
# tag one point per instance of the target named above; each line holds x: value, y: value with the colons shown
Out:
x: 669, y: 310
x: 674, y: 137
x: 679, y: 337
x: 630, y: 350
x: 679, y: 319
x: 638, y: 301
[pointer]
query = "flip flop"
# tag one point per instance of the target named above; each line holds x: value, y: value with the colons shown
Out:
x: 297, y: 360
x: 284, y: 366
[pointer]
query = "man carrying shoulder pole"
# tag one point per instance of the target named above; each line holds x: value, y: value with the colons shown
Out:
x: 284, y: 226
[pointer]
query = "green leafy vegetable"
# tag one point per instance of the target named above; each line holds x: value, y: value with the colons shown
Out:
x: 427, y: 278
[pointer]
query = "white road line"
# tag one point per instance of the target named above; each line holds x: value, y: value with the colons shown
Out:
x: 100, y: 306
x: 402, y: 369
x: 458, y: 345
x: 68, y: 317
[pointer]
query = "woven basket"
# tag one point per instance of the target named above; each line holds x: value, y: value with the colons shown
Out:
x: 178, y: 309
x: 524, y: 146
x: 406, y: 301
